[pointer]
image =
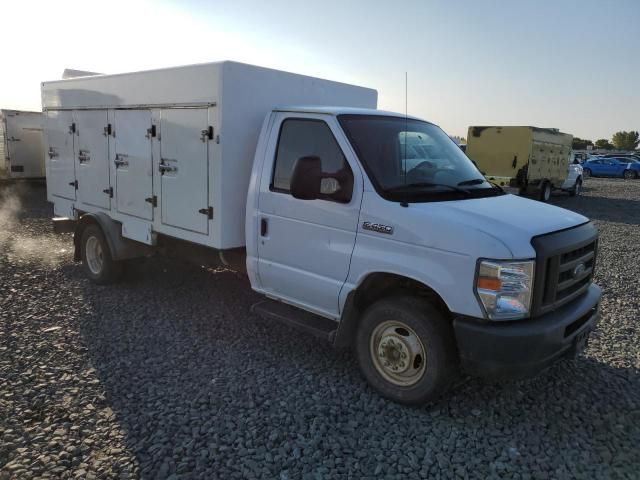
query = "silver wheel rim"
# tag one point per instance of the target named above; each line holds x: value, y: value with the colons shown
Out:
x: 547, y: 192
x: 578, y: 185
x: 587, y: 173
x: 628, y: 174
x: 397, y: 353
x: 94, y: 255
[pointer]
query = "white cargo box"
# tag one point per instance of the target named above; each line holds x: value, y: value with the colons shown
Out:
x: 21, y: 153
x: 170, y: 151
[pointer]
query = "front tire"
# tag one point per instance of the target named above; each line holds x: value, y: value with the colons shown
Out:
x: 97, y: 261
x: 629, y: 174
x: 406, y: 350
x: 586, y: 172
x: 577, y: 188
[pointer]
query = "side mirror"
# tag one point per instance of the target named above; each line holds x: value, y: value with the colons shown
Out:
x: 309, y: 183
x: 306, y: 178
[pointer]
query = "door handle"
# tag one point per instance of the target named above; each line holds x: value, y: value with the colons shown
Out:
x: 120, y: 160
x: 264, y: 227
x: 163, y: 167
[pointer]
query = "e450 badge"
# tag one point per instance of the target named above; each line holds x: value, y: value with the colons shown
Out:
x: 377, y: 227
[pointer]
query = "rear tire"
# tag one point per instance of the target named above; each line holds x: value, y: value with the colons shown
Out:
x: 586, y: 172
x: 406, y: 350
x: 630, y: 174
x: 577, y: 188
x: 97, y: 261
x: 544, y: 195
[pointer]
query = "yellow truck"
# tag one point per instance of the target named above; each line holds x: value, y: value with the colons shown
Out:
x: 530, y: 159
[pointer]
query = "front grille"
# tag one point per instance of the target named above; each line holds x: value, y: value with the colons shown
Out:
x: 564, y: 267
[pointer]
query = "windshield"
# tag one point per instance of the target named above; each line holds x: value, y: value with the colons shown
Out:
x: 411, y: 160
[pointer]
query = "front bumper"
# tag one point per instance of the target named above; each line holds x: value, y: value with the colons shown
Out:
x: 523, y: 348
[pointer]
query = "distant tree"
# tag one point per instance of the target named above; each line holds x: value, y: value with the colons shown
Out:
x: 580, y: 144
x: 626, y: 140
x: 603, y: 144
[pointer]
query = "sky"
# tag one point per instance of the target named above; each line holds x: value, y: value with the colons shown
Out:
x: 567, y: 64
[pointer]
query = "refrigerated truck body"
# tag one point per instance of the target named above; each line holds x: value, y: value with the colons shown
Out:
x: 426, y: 270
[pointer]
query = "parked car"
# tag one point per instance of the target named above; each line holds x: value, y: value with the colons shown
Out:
x: 611, y: 167
x: 634, y: 156
x: 573, y: 183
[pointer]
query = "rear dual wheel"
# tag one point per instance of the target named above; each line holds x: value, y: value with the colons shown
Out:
x: 97, y: 261
x: 406, y: 350
x: 544, y: 195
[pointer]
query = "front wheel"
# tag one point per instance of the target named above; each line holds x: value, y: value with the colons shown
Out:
x: 586, y: 172
x: 97, y: 261
x: 629, y: 174
x: 577, y: 188
x: 406, y: 350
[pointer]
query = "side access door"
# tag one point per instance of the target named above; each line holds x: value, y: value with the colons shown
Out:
x: 24, y: 138
x: 60, y: 156
x: 184, y: 184
x: 305, y: 246
x: 92, y: 158
x: 131, y: 155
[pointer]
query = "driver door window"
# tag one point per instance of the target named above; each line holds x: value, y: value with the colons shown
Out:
x: 300, y: 138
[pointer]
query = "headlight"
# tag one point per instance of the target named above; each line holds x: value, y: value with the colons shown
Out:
x: 504, y: 288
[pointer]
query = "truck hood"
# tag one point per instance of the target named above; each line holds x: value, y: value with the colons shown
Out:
x: 509, y: 218
x: 492, y: 227
x: 530, y: 217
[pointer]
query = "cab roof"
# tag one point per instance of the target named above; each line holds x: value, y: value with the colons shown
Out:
x: 335, y: 110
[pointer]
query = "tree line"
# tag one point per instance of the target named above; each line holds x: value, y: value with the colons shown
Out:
x: 620, y: 141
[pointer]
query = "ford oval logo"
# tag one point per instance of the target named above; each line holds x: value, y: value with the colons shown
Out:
x: 579, y: 270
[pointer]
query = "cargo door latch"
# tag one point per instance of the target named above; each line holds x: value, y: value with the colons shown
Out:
x: 74, y: 184
x: 207, y: 211
x: 153, y: 200
x: 108, y: 191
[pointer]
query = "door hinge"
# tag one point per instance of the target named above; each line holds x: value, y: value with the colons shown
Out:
x: 207, y: 211
x: 108, y: 191
x: 72, y: 128
x: 108, y: 130
x: 74, y: 184
x: 153, y: 200
x: 151, y: 132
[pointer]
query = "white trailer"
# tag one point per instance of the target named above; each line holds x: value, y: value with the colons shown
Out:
x: 21, y: 151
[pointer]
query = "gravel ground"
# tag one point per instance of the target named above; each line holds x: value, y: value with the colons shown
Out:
x: 169, y: 375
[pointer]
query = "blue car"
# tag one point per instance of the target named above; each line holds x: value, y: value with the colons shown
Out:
x: 611, y: 167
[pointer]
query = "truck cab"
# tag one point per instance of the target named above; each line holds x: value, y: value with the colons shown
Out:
x: 379, y: 223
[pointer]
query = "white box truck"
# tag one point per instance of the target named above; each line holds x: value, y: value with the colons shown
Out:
x: 21, y: 153
x: 414, y: 260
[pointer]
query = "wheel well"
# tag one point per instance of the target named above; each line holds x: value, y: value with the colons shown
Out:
x: 375, y: 287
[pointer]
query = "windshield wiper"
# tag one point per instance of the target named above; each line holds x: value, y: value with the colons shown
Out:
x: 478, y: 181
x: 498, y: 187
x: 473, y: 181
x: 416, y: 185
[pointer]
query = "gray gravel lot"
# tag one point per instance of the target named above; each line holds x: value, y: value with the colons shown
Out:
x: 169, y: 375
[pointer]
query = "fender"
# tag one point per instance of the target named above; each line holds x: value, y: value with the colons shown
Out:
x: 121, y: 248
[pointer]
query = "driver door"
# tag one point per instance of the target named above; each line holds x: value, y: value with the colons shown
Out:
x: 305, y: 246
